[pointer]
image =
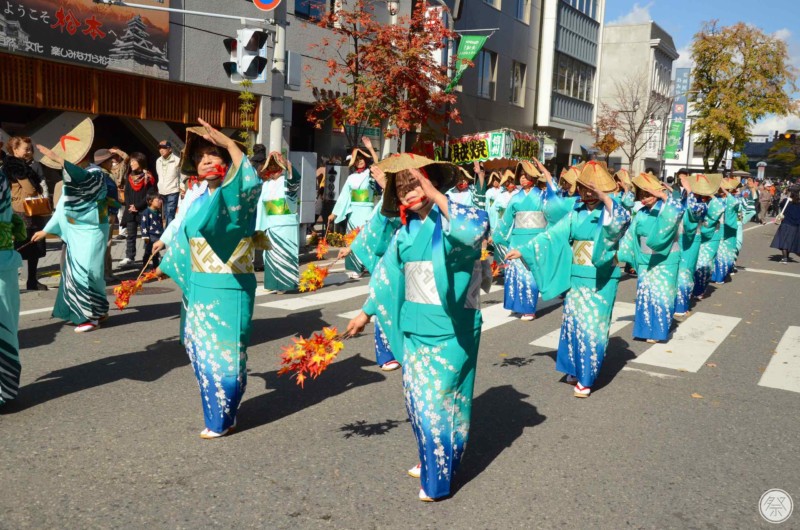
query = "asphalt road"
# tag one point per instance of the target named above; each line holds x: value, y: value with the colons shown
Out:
x: 105, y: 431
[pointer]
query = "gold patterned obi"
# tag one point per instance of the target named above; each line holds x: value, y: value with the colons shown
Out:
x: 6, y: 236
x: 205, y: 260
x: 277, y: 207
x: 530, y: 220
x: 359, y: 196
x: 582, y: 251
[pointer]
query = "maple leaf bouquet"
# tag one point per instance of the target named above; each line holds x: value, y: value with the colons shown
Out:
x: 128, y: 288
x: 310, y: 357
x: 312, y: 278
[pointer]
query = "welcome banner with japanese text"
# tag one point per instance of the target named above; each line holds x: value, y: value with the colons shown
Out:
x: 678, y: 121
x: 88, y: 33
x: 468, y: 48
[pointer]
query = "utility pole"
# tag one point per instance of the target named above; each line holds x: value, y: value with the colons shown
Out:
x: 278, y: 85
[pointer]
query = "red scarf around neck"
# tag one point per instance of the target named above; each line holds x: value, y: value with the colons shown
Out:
x: 147, y: 179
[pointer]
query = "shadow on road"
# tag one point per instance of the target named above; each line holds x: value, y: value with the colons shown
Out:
x: 286, y: 398
x: 366, y: 430
x: 147, y: 366
x: 499, y: 416
x: 268, y: 329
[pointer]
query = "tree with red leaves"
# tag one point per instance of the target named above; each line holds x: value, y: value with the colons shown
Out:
x: 383, y: 73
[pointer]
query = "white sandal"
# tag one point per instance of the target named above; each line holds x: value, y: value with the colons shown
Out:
x: 416, y: 471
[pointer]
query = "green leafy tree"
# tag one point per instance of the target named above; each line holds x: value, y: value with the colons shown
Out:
x: 785, y: 155
x: 741, y: 163
x: 741, y: 75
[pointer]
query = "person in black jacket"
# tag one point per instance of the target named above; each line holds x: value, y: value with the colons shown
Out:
x: 139, y: 182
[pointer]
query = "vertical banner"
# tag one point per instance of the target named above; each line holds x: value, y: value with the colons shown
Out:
x: 678, y: 121
x: 468, y: 48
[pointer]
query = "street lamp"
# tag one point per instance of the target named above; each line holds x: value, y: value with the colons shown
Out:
x: 393, y: 6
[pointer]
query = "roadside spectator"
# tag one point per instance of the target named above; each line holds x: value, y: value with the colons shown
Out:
x: 29, y: 183
x: 168, y: 168
x: 139, y: 182
x: 764, y: 202
x: 787, y: 238
x: 152, y: 225
x: 120, y: 166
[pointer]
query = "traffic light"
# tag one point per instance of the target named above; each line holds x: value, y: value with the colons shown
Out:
x: 248, y: 56
x: 791, y: 137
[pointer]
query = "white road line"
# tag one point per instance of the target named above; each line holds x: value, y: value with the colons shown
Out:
x: 783, y: 370
x: 764, y: 271
x: 651, y: 374
x: 621, y: 316
x: 759, y: 226
x: 320, y: 298
x: 692, y: 344
x: 34, y: 311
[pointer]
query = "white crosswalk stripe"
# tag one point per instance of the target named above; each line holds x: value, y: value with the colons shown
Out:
x: 692, y: 343
x: 783, y: 370
x: 621, y: 316
x: 319, y: 298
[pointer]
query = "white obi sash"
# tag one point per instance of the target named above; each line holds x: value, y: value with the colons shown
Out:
x: 530, y: 220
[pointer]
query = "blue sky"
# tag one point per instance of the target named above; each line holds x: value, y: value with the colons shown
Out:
x: 683, y: 18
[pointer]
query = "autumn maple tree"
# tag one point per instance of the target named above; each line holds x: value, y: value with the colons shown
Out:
x: 380, y: 73
x: 741, y: 75
x: 604, y: 131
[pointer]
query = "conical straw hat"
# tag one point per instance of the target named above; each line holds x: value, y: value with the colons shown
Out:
x: 273, y: 165
x: 194, y: 140
x: 442, y: 174
x: 647, y: 182
x: 570, y: 176
x: 355, y: 154
x: 529, y: 169
x: 595, y: 174
x: 705, y: 185
x: 508, y: 174
x: 731, y: 183
x: 623, y: 176
x: 73, y: 146
x: 494, y: 175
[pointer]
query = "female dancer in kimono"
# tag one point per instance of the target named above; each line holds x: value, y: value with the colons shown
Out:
x: 577, y: 255
x: 468, y: 194
x: 277, y: 217
x: 523, y: 219
x: 508, y: 189
x: 81, y: 221
x: 653, y: 246
x: 369, y: 246
x: 492, y: 191
x: 211, y: 260
x: 355, y: 203
x: 12, y: 229
x: 726, y: 254
x: 427, y: 294
x: 699, y: 189
x: 625, y: 195
x: 710, y: 235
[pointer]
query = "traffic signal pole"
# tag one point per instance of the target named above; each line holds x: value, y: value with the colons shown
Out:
x: 278, y: 85
x: 122, y: 3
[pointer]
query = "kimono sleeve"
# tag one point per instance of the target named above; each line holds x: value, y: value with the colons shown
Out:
x: 611, y: 231
x: 555, y: 206
x: 549, y: 258
x: 466, y: 229
x: 628, y: 199
x: 502, y: 234
x: 55, y: 224
x: 292, y: 184
x: 479, y: 194
x: 261, y: 215
x: 231, y: 214
x: 373, y: 240
x: 342, y: 207
x: 667, y: 225
x: 387, y: 286
x: 627, y: 246
x: 18, y: 230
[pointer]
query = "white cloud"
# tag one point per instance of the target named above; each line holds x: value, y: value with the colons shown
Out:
x: 783, y: 34
x: 777, y: 123
x: 685, y: 59
x: 637, y: 15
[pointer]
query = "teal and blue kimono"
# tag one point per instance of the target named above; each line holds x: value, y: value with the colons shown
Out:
x: 355, y: 202
x: 277, y: 217
x: 690, y: 239
x: 427, y: 297
x: 379, y: 231
x: 81, y: 221
x: 496, y: 212
x: 211, y: 260
x: 12, y: 228
x: 474, y: 195
x: 577, y: 255
x: 527, y: 215
x: 491, y: 195
x: 625, y: 198
x: 725, y: 258
x: 654, y: 247
x: 710, y: 236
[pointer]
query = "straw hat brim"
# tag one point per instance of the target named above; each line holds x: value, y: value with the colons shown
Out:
x: 570, y: 176
x: 73, y: 146
x: 623, y: 176
x: 443, y: 175
x: 507, y: 175
x: 647, y: 182
x: 530, y: 170
x: 273, y: 165
x: 705, y: 185
x: 355, y: 154
x: 195, y: 140
x: 595, y: 174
